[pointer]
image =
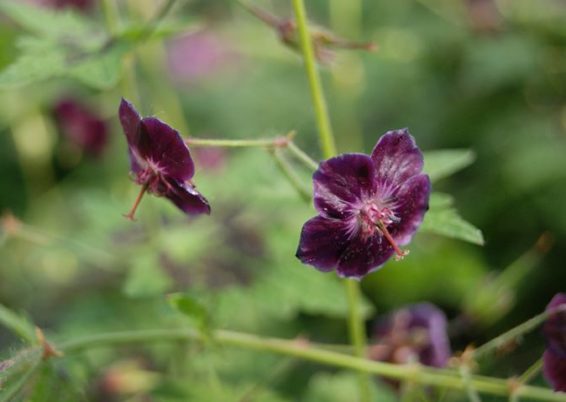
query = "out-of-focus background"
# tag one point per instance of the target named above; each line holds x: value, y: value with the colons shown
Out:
x: 481, y: 75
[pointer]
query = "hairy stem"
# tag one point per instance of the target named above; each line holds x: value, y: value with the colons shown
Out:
x: 317, y: 95
x: 328, y: 147
x: 357, y: 333
x: 291, y: 175
x: 111, y: 17
x: 302, y: 350
x: 531, y: 372
x: 220, y: 143
x: 269, y: 143
x: 470, y: 390
x: 515, y: 332
x: 302, y: 156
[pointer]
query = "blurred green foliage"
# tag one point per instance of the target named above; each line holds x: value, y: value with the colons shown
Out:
x: 481, y: 85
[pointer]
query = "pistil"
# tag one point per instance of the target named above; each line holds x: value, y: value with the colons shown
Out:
x: 130, y: 215
x: 399, y: 252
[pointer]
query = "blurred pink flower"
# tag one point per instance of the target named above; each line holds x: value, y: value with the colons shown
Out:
x: 82, y: 126
x: 200, y: 55
x: 78, y: 5
x: 210, y: 159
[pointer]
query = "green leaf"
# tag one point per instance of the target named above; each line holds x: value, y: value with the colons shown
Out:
x: 443, y: 163
x: 39, y: 60
x: 442, y: 218
x: 192, y: 308
x: 18, y: 324
x: 43, y: 58
x: 47, y: 22
x: 102, y: 70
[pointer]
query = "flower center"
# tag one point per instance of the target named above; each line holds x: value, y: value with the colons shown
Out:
x: 151, y: 178
x: 375, y: 218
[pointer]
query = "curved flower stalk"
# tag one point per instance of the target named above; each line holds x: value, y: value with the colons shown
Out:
x: 160, y: 161
x: 368, y: 207
x: 554, y: 358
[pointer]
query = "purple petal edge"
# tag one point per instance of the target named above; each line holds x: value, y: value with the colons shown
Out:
x: 554, y: 370
x: 188, y: 199
x: 130, y: 120
x: 397, y: 157
x: 322, y: 241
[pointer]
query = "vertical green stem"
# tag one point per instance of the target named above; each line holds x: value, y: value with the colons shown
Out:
x: 111, y: 17
x: 319, y: 103
x: 355, y: 321
x: 357, y: 333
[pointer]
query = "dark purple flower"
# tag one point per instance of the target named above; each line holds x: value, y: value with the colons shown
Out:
x: 417, y: 333
x: 368, y: 206
x: 554, y: 331
x: 161, y: 161
x: 82, y: 126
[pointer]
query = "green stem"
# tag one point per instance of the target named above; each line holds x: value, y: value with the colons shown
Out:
x: 111, y: 17
x: 300, y: 349
x: 470, y: 390
x: 291, y: 175
x: 319, y: 103
x: 357, y: 333
x: 302, y: 156
x: 515, y: 332
x: 327, y: 143
x: 531, y: 372
x: 205, y: 142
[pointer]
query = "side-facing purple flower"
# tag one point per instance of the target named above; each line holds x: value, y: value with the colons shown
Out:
x: 368, y: 206
x: 554, y: 357
x: 417, y: 333
x: 161, y: 161
x: 82, y: 126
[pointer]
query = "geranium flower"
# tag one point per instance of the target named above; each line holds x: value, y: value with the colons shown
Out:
x: 82, y: 126
x: 161, y: 161
x: 417, y: 333
x: 368, y: 207
x: 554, y: 357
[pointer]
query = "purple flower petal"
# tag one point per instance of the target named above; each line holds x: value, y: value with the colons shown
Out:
x: 397, y: 157
x: 130, y: 120
x: 162, y: 145
x: 322, y: 242
x: 419, y: 330
x: 554, y: 370
x: 554, y: 328
x: 363, y: 255
x: 412, y: 204
x: 188, y: 199
x: 340, y: 182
